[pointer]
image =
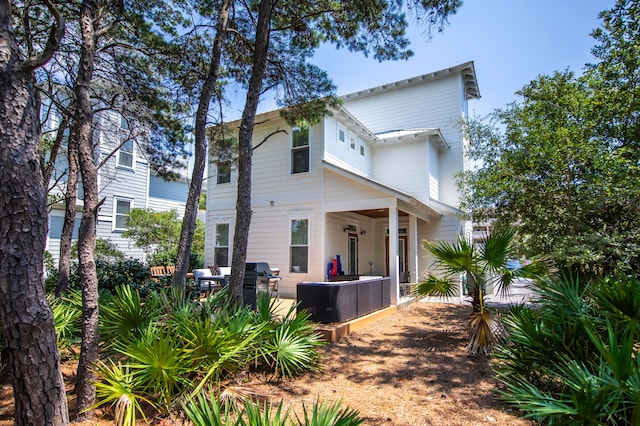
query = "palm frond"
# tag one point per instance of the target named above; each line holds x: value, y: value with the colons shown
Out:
x: 434, y: 286
x: 453, y: 257
x: 496, y: 248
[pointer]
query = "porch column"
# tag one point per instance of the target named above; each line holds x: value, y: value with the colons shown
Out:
x: 414, y: 249
x: 394, y: 258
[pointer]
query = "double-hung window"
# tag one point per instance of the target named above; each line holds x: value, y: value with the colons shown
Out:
x: 342, y: 133
x: 221, y: 252
x: 299, y: 248
x: 121, y: 208
x: 300, y: 150
x: 224, y: 172
x: 125, y: 153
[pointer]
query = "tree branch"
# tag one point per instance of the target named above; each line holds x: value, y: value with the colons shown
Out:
x: 275, y: 132
x: 53, y: 43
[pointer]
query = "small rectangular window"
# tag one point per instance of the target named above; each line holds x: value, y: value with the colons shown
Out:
x: 299, y: 249
x: 125, y: 155
x: 222, y: 244
x: 300, y: 150
x: 361, y: 150
x: 224, y: 172
x: 121, y: 208
x: 352, y: 141
x: 342, y: 133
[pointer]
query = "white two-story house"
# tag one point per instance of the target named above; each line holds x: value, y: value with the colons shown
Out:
x: 125, y: 181
x: 368, y: 183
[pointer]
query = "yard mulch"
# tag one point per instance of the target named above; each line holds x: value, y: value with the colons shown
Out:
x: 408, y: 369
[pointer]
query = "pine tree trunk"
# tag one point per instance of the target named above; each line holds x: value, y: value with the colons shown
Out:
x: 82, y: 127
x: 245, y: 142
x: 66, y: 238
x: 25, y: 314
x: 191, y: 208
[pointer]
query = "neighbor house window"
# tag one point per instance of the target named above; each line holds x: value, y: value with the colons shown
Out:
x: 125, y: 153
x: 300, y: 150
x: 221, y: 252
x: 121, y: 208
x: 224, y: 172
x: 299, y: 245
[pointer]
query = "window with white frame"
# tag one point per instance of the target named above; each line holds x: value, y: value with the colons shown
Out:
x: 221, y: 251
x: 125, y: 153
x: 342, y: 133
x: 300, y: 150
x: 121, y: 208
x: 352, y: 141
x: 224, y: 172
x: 299, y: 248
x: 361, y: 149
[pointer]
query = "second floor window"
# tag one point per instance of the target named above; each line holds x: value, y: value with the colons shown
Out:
x: 300, y: 150
x: 224, y: 172
x: 125, y: 155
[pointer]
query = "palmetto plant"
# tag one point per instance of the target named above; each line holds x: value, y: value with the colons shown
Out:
x: 289, y: 347
x: 573, y: 356
x: 67, y: 315
x: 477, y: 266
x: 126, y: 315
x: 328, y: 414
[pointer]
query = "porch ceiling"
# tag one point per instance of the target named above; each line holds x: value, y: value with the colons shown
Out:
x: 378, y: 213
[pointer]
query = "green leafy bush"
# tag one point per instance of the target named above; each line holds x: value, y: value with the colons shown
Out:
x: 171, y: 347
x: 573, y: 357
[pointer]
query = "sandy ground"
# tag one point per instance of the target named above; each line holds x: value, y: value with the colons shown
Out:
x: 410, y: 368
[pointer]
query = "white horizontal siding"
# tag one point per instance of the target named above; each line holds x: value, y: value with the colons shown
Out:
x: 437, y: 104
x: 403, y: 166
x: 446, y: 228
x: 161, y: 204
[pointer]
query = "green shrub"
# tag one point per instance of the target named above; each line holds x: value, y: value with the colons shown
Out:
x: 572, y: 357
x: 171, y: 347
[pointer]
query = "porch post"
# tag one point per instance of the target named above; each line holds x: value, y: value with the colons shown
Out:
x: 413, y: 249
x: 394, y: 258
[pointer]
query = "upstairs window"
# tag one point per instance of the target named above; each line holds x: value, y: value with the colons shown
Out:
x: 300, y: 150
x: 224, y: 172
x: 299, y: 249
x: 342, y: 133
x: 352, y: 141
x: 125, y: 153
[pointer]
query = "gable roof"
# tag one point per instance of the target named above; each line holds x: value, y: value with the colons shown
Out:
x: 466, y: 70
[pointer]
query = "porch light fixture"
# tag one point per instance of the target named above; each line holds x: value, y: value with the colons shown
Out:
x: 345, y: 229
x: 363, y: 232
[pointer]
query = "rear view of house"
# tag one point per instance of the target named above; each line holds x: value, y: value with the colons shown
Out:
x: 356, y: 193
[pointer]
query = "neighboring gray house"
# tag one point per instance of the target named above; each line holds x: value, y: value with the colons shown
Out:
x: 369, y: 183
x: 125, y: 181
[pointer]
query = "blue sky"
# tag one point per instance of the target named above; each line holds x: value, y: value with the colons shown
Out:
x: 510, y: 41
